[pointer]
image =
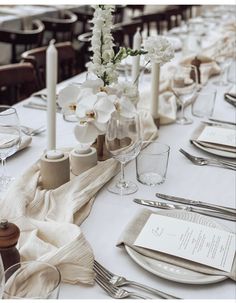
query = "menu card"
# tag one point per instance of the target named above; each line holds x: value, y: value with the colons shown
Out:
x: 192, y: 241
x: 219, y: 135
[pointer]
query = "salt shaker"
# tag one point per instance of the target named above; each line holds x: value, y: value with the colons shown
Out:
x: 9, y: 235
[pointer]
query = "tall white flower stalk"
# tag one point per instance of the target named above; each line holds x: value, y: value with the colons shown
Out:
x: 102, y: 63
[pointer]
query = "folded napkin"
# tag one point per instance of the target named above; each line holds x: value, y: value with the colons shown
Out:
x: 206, y: 66
x: 25, y: 142
x: 49, y: 219
x: 167, y: 104
x: 132, y: 231
x: 217, y: 146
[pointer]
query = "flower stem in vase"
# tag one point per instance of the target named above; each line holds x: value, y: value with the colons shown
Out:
x: 155, y: 85
x: 100, y: 146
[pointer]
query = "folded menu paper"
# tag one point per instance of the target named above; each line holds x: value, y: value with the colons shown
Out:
x: 213, y: 141
x: 224, y: 138
x: 132, y: 231
x: 199, y: 243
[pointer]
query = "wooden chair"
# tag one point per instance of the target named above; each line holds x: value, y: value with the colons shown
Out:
x: 136, y: 10
x: 17, y: 82
x: 123, y: 33
x: 61, y: 29
x: 66, y: 62
x: 84, y: 14
x: 27, y: 38
x: 155, y: 19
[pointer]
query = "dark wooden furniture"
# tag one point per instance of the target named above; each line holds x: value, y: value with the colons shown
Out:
x: 66, y: 62
x: 123, y: 33
x: 17, y: 82
x: 61, y: 29
x: 136, y: 10
x: 27, y: 38
x: 155, y: 19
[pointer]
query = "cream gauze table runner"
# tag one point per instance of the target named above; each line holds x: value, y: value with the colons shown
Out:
x: 49, y: 220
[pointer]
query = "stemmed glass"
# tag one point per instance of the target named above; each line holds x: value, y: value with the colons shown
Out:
x: 224, y: 61
x: 123, y: 141
x: 10, y: 137
x: 184, y: 84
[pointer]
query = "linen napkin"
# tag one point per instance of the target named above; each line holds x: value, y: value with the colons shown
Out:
x: 195, y: 137
x: 49, y: 219
x: 167, y: 104
x: 25, y: 141
x: 208, y: 67
x: 132, y: 231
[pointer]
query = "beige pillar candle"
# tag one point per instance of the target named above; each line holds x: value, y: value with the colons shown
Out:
x: 54, y: 169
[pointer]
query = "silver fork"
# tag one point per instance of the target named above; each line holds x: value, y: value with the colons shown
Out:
x: 32, y: 132
x: 120, y: 281
x: 209, y: 161
x: 116, y: 292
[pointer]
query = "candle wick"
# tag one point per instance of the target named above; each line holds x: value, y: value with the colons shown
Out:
x: 52, y: 42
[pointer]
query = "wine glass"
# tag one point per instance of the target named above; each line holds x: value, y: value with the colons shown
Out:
x: 224, y: 62
x: 10, y: 137
x: 184, y: 84
x: 123, y: 141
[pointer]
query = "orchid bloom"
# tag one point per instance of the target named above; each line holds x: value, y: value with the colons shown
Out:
x: 93, y: 113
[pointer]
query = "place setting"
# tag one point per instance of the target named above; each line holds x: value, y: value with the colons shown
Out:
x: 128, y: 188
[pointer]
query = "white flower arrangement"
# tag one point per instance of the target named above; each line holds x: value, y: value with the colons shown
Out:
x: 159, y: 50
x: 94, y: 101
x: 93, y: 105
x: 104, y: 61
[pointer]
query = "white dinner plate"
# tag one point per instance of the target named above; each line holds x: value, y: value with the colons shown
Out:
x: 213, y: 151
x: 173, y: 272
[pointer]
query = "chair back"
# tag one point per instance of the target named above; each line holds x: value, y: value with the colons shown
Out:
x: 61, y: 29
x: 66, y: 61
x: 123, y: 33
x: 27, y: 38
x: 17, y: 82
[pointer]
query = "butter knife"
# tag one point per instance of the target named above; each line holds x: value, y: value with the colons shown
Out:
x: 169, y: 206
x: 197, y: 203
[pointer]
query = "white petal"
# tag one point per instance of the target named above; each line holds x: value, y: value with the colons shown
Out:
x: 86, y: 133
x: 104, y: 108
x: 68, y: 95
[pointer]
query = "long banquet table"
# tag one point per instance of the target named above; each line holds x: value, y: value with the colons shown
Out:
x: 111, y: 213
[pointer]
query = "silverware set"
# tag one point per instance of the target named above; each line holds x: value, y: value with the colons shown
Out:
x: 209, y: 161
x: 111, y: 284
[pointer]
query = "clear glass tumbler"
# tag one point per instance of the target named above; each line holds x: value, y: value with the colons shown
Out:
x: 152, y: 163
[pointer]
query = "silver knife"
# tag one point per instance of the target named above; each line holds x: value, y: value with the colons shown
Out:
x: 197, y: 203
x: 222, y: 121
x: 169, y: 206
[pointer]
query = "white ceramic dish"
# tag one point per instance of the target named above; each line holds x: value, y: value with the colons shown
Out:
x: 173, y: 272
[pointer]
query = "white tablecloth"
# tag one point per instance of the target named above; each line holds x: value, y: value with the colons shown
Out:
x: 111, y: 213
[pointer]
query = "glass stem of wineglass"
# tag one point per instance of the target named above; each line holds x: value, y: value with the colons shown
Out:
x: 4, y: 171
x: 182, y: 110
x: 121, y: 182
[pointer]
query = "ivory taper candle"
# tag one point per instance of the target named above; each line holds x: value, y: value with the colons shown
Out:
x: 51, y: 81
x: 155, y: 84
x: 137, y: 40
